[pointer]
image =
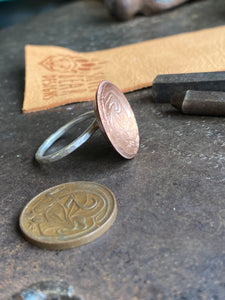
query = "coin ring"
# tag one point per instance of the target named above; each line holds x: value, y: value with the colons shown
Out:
x: 45, y: 204
x: 123, y: 134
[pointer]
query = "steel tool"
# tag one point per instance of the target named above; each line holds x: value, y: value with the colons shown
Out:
x: 172, y: 87
x: 202, y: 103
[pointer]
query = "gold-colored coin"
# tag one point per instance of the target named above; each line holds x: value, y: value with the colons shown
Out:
x: 68, y: 215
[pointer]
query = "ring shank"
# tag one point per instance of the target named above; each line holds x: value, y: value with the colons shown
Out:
x: 41, y: 158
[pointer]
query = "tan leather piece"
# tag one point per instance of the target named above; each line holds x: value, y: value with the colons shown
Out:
x: 57, y: 76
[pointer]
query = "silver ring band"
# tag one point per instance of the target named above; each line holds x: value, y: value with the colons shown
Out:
x: 40, y: 157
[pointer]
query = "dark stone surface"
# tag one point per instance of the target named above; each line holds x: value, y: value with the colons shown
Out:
x: 169, y: 236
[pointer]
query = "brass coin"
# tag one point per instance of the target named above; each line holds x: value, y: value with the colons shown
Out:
x: 68, y: 215
x: 116, y: 119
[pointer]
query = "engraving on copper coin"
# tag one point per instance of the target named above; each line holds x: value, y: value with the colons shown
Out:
x: 68, y: 215
x: 116, y: 119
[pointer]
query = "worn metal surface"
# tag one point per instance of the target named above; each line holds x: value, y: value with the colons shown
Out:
x: 124, y: 10
x: 68, y: 215
x: 116, y: 119
x: 204, y: 103
x: 61, y: 132
x: 172, y: 87
x: 168, y: 239
x: 47, y: 290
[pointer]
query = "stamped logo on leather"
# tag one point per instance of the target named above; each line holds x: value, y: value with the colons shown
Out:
x: 64, y: 81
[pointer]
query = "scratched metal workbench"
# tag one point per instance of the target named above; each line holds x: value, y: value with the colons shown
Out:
x: 168, y: 241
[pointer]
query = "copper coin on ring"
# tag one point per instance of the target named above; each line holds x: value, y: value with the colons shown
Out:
x: 116, y: 119
x: 68, y: 215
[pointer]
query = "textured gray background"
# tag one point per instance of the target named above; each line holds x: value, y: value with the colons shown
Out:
x: 168, y: 239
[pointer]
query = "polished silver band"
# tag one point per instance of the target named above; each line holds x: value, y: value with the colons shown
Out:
x: 40, y: 157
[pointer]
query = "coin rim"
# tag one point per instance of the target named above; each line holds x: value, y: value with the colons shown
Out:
x: 60, y: 245
x: 99, y: 118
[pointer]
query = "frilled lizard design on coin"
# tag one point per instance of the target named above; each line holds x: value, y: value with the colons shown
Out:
x: 68, y: 215
x: 116, y: 119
